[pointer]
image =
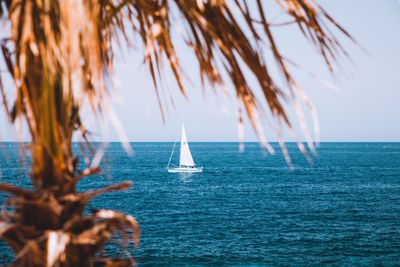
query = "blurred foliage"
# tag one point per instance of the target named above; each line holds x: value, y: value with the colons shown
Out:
x: 60, y: 55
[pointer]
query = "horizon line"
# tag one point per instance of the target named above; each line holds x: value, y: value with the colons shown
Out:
x: 114, y: 141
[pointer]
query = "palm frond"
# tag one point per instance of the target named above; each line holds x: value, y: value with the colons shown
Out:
x: 227, y: 39
x: 60, y: 55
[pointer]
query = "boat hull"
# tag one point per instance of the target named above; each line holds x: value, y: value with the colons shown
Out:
x: 185, y: 169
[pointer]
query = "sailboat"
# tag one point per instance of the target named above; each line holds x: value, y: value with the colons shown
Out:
x: 186, y: 163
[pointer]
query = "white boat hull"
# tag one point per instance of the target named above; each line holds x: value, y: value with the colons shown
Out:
x: 185, y: 169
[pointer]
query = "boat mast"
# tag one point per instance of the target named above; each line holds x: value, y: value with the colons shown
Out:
x: 170, y: 157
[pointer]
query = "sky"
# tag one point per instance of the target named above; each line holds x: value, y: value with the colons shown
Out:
x: 363, y: 106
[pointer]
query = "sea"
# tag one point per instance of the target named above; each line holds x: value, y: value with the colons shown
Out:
x: 247, y: 208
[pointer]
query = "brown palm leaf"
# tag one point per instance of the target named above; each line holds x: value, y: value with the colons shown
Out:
x: 60, y: 55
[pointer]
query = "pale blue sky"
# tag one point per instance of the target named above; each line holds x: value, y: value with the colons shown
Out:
x: 366, y: 107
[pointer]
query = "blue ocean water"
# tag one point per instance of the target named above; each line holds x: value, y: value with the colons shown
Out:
x: 249, y: 209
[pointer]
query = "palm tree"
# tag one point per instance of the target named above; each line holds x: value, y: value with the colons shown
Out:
x: 59, y: 54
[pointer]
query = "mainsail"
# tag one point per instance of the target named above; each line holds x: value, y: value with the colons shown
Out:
x: 186, y: 157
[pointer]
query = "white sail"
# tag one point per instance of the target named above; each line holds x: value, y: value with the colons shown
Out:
x: 185, y: 157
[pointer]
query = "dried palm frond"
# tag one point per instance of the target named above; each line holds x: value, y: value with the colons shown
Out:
x: 60, y: 55
x: 227, y: 39
x: 58, y: 224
